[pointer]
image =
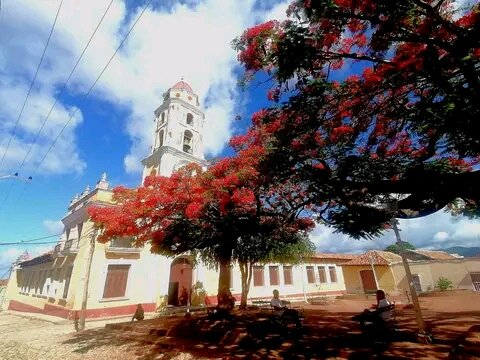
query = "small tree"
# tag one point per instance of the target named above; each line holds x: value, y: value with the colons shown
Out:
x: 444, y: 284
x: 395, y: 249
x: 291, y: 247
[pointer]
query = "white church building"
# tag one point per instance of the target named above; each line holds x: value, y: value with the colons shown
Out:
x: 121, y: 276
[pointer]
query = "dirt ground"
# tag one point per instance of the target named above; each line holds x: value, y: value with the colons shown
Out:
x: 328, y: 333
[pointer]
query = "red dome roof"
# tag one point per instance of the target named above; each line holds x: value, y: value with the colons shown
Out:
x: 182, y: 85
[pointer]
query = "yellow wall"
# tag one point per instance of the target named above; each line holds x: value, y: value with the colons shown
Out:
x: 353, y: 281
x: 458, y: 271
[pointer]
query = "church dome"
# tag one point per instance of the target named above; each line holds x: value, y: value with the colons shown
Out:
x: 182, y: 85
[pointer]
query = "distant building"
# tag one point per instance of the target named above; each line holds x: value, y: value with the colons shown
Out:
x: 384, y: 270
x: 122, y: 275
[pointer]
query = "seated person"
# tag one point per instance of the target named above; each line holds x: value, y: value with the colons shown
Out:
x: 282, y: 311
x: 227, y: 301
x: 139, y: 314
x: 382, y: 314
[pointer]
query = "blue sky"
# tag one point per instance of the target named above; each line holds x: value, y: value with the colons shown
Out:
x: 111, y: 130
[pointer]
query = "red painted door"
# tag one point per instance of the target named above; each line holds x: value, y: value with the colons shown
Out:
x: 368, y: 281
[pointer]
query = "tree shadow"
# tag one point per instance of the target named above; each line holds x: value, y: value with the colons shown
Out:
x: 252, y: 334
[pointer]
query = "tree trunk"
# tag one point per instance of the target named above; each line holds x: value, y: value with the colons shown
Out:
x: 225, y: 261
x: 246, y: 272
x: 413, y: 292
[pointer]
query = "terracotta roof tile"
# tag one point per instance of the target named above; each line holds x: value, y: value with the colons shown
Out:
x: 378, y: 257
x: 334, y: 256
x: 436, y: 254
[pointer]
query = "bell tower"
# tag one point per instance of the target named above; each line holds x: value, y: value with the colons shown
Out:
x: 178, y: 135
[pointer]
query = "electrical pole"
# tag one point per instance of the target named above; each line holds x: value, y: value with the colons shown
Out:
x: 373, y: 270
x: 88, y: 265
x: 413, y: 292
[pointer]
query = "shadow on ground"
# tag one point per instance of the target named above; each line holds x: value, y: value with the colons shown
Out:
x: 253, y: 335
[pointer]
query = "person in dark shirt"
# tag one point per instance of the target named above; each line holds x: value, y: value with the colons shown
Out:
x: 183, y: 299
x: 139, y: 313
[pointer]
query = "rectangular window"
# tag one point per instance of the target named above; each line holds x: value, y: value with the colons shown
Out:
x: 116, y: 281
x: 274, y: 278
x: 287, y: 275
x: 43, y: 283
x: 68, y: 275
x: 310, y: 275
x: 475, y: 276
x: 322, y: 275
x: 258, y: 279
x: 333, y: 274
x: 30, y: 281
x: 231, y: 278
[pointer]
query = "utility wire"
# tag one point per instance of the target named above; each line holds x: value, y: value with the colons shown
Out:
x: 5, y: 273
x: 64, y: 86
x: 31, y: 84
x: 38, y: 243
x: 31, y: 240
x: 94, y: 83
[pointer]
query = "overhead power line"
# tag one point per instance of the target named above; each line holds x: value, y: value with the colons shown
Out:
x: 5, y: 273
x: 31, y: 84
x: 31, y: 240
x: 64, y: 86
x: 94, y: 83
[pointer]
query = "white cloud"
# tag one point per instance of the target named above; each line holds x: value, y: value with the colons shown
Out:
x: 189, y: 39
x: 53, y: 226
x: 8, y: 256
x: 437, y: 231
x: 441, y: 236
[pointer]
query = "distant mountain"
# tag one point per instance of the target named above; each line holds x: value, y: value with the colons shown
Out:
x: 464, y: 251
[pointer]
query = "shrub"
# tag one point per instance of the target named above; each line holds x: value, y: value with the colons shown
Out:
x: 444, y: 284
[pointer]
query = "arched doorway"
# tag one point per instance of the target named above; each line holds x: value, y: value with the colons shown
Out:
x: 181, y: 272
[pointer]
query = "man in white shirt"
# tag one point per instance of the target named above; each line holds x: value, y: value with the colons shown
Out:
x: 382, y: 314
x: 283, y: 311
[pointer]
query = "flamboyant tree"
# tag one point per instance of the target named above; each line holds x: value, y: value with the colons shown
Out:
x: 214, y: 213
x: 375, y: 99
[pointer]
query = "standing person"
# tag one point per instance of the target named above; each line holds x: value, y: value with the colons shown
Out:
x: 183, y: 299
x: 383, y: 312
x: 282, y: 311
x: 139, y: 313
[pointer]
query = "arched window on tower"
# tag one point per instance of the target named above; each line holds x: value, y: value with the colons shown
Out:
x: 190, y: 119
x: 162, y: 119
x: 160, y: 138
x: 187, y: 141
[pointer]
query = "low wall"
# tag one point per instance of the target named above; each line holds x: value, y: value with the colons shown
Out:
x: 70, y: 314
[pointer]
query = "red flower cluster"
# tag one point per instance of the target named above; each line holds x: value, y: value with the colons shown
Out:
x: 341, y: 132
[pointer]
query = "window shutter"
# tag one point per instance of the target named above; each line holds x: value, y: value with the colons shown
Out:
x: 258, y: 276
x: 273, y: 271
x: 322, y: 274
x: 333, y: 274
x: 310, y: 275
x: 116, y: 281
x: 287, y: 275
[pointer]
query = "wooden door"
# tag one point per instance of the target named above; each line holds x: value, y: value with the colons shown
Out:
x: 368, y: 281
x: 173, y: 293
x: 416, y: 283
